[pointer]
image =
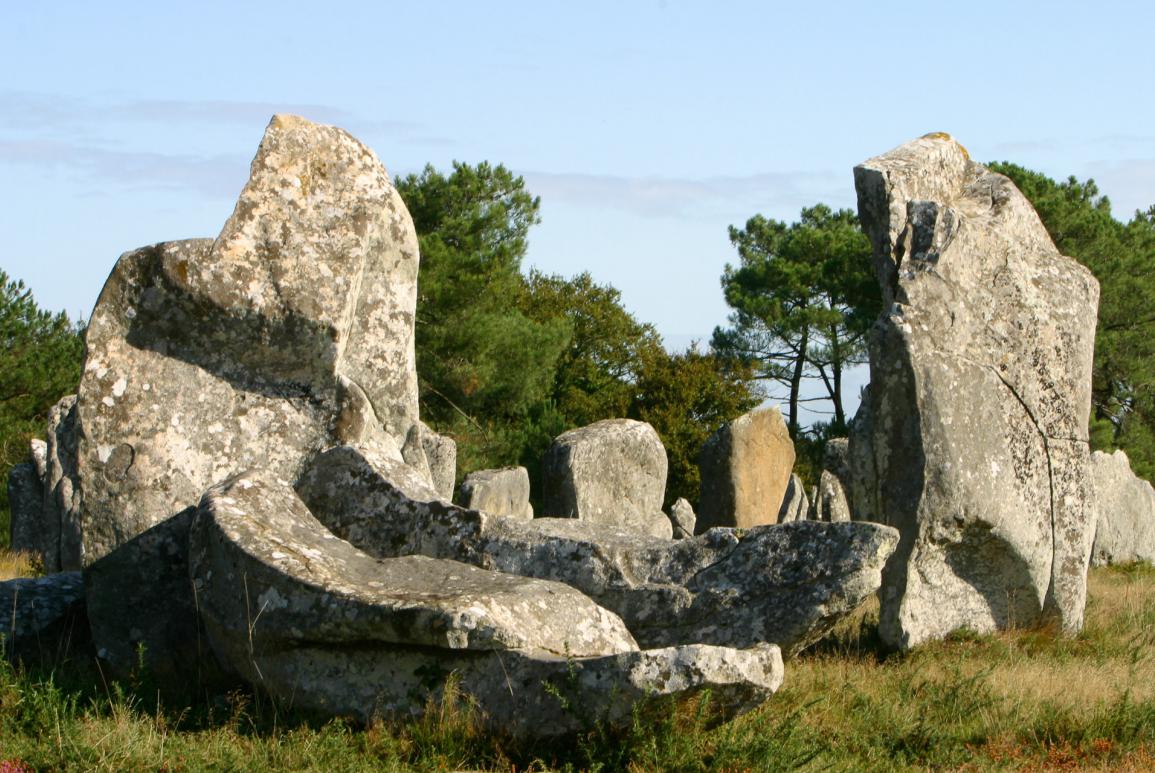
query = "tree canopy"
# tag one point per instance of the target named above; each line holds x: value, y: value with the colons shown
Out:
x: 507, y: 361
x: 803, y: 297
x: 40, y: 358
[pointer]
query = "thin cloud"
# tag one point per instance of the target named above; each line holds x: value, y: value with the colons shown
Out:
x: 214, y: 176
x: 687, y: 197
x: 71, y: 115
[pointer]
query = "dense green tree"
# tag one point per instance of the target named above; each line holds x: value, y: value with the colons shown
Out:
x: 40, y: 358
x: 483, y: 365
x: 596, y: 372
x: 506, y: 362
x: 685, y: 397
x: 804, y: 297
x: 1122, y: 257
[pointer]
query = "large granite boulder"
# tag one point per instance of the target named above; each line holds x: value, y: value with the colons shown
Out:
x: 500, y: 492
x: 288, y: 333
x: 301, y: 612
x: 979, y: 398
x: 1124, y: 507
x: 43, y: 618
x: 784, y: 584
x: 292, y: 330
x: 745, y: 467
x: 611, y: 472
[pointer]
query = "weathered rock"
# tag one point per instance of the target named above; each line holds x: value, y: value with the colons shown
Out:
x: 611, y: 472
x: 795, y: 504
x: 831, y: 505
x: 836, y: 457
x: 144, y: 612
x: 784, y: 584
x: 500, y: 492
x: 310, y: 618
x: 745, y: 467
x: 61, y: 517
x: 43, y: 617
x: 26, y: 506
x: 682, y: 518
x: 1124, y: 506
x: 38, y: 450
x: 291, y: 331
x: 256, y: 550
x: 523, y: 694
x: 980, y: 393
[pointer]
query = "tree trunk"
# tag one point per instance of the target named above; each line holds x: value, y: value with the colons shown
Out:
x: 796, y: 382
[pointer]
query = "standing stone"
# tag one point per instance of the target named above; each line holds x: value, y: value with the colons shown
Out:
x: 433, y: 456
x: 60, y: 518
x: 745, y: 467
x: 1124, y: 505
x: 499, y: 492
x: 795, y: 504
x: 831, y: 505
x: 25, y: 503
x: 613, y: 472
x: 291, y: 331
x: 980, y: 393
x: 682, y: 518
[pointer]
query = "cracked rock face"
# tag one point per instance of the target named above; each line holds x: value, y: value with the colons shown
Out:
x: 500, y: 492
x: 1124, y: 506
x: 745, y: 467
x: 979, y: 398
x: 611, y: 472
x: 291, y: 607
x: 785, y: 584
x: 292, y: 329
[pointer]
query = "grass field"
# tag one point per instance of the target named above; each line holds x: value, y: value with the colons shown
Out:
x: 1023, y: 700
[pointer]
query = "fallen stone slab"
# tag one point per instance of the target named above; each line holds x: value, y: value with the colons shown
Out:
x: 980, y: 371
x: 42, y: 619
x: 521, y: 694
x: 305, y: 615
x: 785, y: 584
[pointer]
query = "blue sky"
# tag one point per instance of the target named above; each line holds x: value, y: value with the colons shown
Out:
x: 646, y: 127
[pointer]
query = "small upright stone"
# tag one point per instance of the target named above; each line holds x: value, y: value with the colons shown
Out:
x: 613, y: 472
x: 745, y: 468
x: 498, y: 492
x: 25, y: 503
x: 682, y: 518
x: 795, y: 504
x: 1124, y: 507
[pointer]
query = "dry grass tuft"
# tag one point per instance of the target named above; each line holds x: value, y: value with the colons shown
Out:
x: 19, y: 564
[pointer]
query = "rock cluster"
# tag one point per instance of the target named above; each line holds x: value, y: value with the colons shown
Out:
x: 975, y: 426
x: 247, y: 485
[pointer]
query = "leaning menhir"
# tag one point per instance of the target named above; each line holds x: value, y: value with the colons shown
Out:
x: 976, y: 419
x: 243, y: 472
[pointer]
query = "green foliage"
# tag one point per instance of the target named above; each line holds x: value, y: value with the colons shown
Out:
x: 685, y: 397
x: 1121, y: 257
x: 596, y: 372
x: 483, y: 365
x: 506, y: 362
x: 803, y: 297
x: 40, y: 357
